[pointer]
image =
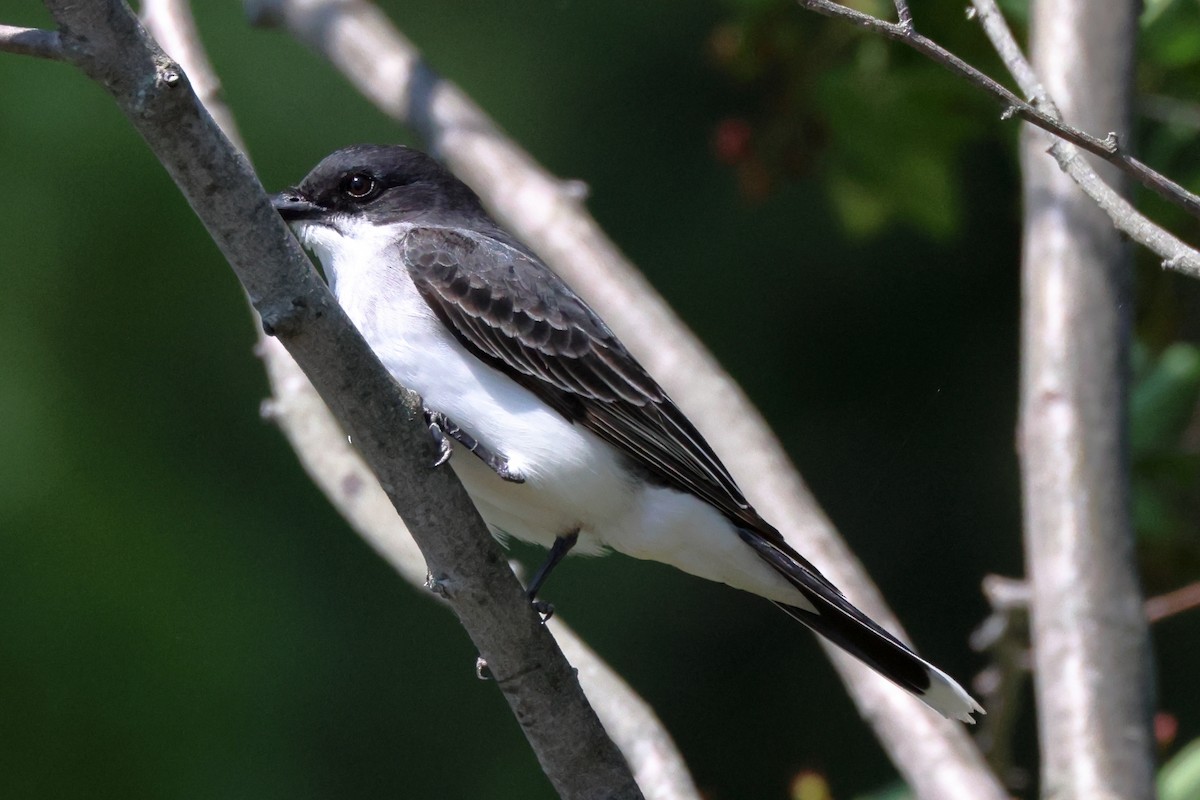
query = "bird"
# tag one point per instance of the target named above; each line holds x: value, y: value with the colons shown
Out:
x: 570, y: 443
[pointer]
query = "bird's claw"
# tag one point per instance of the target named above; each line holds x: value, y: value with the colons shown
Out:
x: 443, y: 430
x: 545, y: 610
x: 445, y: 449
x: 500, y: 467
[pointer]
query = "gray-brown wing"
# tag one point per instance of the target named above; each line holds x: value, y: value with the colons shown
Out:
x: 514, y: 313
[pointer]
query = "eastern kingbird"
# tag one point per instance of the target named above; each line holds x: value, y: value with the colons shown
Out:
x: 574, y: 443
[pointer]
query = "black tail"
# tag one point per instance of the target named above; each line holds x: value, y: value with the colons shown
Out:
x: 833, y: 617
x: 860, y: 637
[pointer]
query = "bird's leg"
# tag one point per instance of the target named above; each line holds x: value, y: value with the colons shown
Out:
x: 562, y: 545
x: 441, y: 426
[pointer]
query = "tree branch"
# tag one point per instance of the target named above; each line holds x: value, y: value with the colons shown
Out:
x: 936, y: 757
x: 1004, y: 635
x: 1185, y: 598
x: 466, y: 566
x: 1108, y: 148
x: 172, y: 25
x: 1091, y: 642
x: 31, y: 42
x: 1177, y: 255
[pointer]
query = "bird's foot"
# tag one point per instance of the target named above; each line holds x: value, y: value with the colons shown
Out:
x: 545, y: 610
x: 558, y: 551
x: 441, y: 427
x: 445, y: 449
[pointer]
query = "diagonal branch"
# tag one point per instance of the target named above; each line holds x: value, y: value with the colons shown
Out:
x: 1185, y: 598
x: 936, y: 757
x: 31, y: 42
x: 105, y: 41
x: 1176, y: 254
x: 1108, y: 148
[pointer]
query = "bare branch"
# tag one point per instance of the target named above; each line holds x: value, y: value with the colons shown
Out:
x: 1091, y: 643
x: 1004, y: 635
x: 936, y: 757
x: 31, y: 42
x: 1176, y: 255
x: 171, y: 23
x: 1185, y: 598
x: 1107, y: 148
x: 106, y: 42
x: 997, y: 31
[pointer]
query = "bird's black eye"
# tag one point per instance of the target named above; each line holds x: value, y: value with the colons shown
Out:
x: 358, y: 186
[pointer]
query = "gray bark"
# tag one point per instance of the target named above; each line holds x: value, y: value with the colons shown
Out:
x: 1091, y: 644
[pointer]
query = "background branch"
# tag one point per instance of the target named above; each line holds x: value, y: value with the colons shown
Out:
x: 1091, y: 644
x: 1177, y: 255
x: 105, y: 41
x: 1004, y: 635
x: 936, y: 757
x: 30, y: 42
x: 1185, y: 598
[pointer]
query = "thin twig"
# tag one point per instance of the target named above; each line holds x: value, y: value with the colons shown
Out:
x: 1108, y: 148
x: 937, y: 758
x: 997, y: 31
x: 1185, y: 598
x: 1176, y: 254
x: 1004, y: 635
x: 31, y: 42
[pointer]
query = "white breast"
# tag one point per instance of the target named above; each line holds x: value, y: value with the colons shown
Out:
x: 573, y: 480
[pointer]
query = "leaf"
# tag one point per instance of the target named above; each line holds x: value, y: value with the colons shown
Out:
x: 1179, y: 779
x: 1164, y: 400
x: 893, y: 791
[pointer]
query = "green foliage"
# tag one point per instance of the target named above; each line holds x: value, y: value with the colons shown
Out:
x: 909, y: 173
x: 897, y: 790
x: 1166, y: 466
x: 1179, y: 778
x: 1164, y: 397
x: 1168, y: 84
x: 883, y: 131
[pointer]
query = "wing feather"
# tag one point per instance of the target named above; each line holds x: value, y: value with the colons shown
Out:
x: 508, y: 308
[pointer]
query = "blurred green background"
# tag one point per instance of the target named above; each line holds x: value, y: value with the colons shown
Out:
x: 181, y: 613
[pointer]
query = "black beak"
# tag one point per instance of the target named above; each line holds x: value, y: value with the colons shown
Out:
x: 292, y: 205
